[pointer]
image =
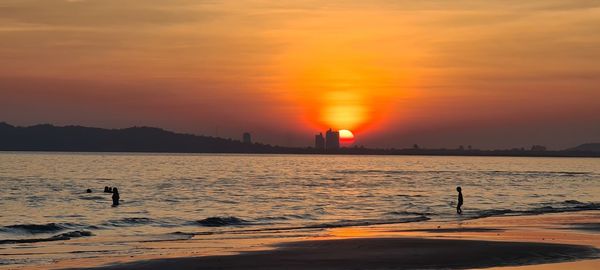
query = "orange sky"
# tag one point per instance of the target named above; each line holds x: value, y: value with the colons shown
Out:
x: 492, y: 74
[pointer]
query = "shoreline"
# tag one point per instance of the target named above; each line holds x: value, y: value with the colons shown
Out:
x: 379, y: 253
x: 517, y: 242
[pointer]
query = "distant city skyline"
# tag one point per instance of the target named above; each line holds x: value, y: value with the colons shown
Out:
x: 158, y: 140
x: 308, y: 140
x: 332, y: 141
x: 490, y: 74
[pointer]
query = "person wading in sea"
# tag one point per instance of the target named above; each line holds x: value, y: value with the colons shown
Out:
x: 460, y: 200
x: 115, y: 196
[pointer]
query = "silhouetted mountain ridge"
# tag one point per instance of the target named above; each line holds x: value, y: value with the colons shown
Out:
x: 588, y: 147
x: 46, y: 137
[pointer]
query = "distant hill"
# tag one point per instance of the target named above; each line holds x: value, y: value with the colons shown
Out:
x: 136, y: 139
x: 587, y: 147
x: 155, y: 140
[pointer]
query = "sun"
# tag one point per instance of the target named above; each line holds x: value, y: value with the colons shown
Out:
x: 346, y: 136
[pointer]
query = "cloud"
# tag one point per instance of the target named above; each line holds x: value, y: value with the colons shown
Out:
x: 189, y: 64
x: 105, y: 13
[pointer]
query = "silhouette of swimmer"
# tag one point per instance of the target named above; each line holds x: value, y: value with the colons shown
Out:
x: 88, y: 191
x: 106, y: 189
x: 110, y: 190
x: 460, y: 200
x: 115, y: 196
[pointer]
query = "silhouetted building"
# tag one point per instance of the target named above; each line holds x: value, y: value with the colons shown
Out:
x: 319, y: 142
x: 247, y: 138
x: 538, y: 148
x: 332, y: 140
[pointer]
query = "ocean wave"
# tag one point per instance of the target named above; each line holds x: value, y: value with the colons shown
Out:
x: 315, y: 226
x: 408, y: 213
x: 537, y: 173
x: 566, y: 206
x: 410, y: 195
x: 573, y: 202
x: 301, y: 216
x: 72, y: 234
x: 324, y: 225
x: 493, y: 213
x: 269, y: 219
x: 129, y: 221
x: 510, y: 173
x: 58, y: 237
x: 37, y: 228
x: 93, y: 198
x: 546, y: 208
x: 223, y: 221
x: 365, y: 222
x: 143, y: 221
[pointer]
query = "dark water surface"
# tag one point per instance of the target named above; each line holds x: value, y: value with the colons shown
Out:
x: 43, y: 200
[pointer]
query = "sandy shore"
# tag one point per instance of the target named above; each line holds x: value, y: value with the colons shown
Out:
x: 380, y: 253
x: 539, y: 242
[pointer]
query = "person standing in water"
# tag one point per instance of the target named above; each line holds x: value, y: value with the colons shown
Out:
x: 460, y: 200
x: 115, y: 196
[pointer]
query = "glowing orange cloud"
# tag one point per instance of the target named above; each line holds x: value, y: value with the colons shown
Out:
x: 338, y: 88
x: 341, y: 81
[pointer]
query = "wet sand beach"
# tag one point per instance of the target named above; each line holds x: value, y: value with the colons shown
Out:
x: 511, y: 242
x: 380, y: 253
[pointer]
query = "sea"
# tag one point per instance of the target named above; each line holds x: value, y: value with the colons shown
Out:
x: 47, y: 215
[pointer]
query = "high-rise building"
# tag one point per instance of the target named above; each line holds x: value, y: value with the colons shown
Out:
x: 319, y: 142
x: 332, y: 140
x: 247, y: 138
